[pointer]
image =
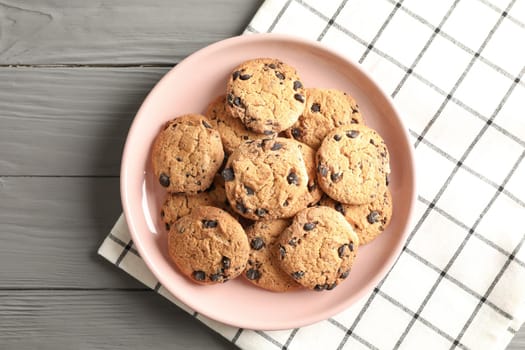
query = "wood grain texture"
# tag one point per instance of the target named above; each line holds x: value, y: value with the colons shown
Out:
x: 115, y: 32
x: 68, y: 121
x: 99, y: 320
x: 51, y: 229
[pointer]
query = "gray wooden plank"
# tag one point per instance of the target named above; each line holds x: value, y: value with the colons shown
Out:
x: 51, y: 229
x: 68, y: 121
x: 99, y: 320
x: 122, y: 31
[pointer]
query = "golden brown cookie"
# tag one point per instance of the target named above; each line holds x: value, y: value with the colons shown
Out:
x: 314, y: 193
x: 186, y: 154
x: 232, y: 130
x: 352, y: 164
x: 318, y: 248
x: 266, y: 179
x: 263, y: 268
x: 266, y: 94
x: 178, y: 205
x: 208, y: 245
x: 325, y: 110
x: 368, y: 220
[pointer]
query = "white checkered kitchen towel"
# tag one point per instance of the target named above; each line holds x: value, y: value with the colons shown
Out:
x: 455, y: 70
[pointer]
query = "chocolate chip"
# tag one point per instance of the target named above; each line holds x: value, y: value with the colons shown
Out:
x: 261, y: 212
x: 267, y: 132
x: 216, y: 276
x: 276, y: 146
x: 354, y: 121
x: 299, y: 97
x: 320, y: 287
x: 179, y: 159
x: 298, y: 275
x: 309, y: 226
x: 272, y: 66
x: 352, y: 134
x: 237, y: 101
x: 331, y: 286
x: 236, y: 74
x: 167, y: 227
x: 206, y: 125
x: 249, y: 190
x: 285, y: 203
x: 322, y: 170
x: 296, y: 133
x: 341, y: 250
x: 199, y: 275
x: 292, y: 178
x: 162, y: 213
x: 344, y: 274
x: 240, y: 207
x: 316, y: 107
x: 387, y: 179
x: 282, y: 251
x: 257, y: 243
x: 335, y: 177
x: 297, y: 85
x: 372, y: 142
x: 337, y: 137
x: 293, y: 242
x: 253, y: 274
x: 351, y: 246
x: 182, y: 229
x: 209, y: 223
x: 373, y: 217
x: 245, y: 76
x: 279, y: 75
x: 229, y: 99
x: 226, y: 262
x: 164, y: 180
x: 227, y: 174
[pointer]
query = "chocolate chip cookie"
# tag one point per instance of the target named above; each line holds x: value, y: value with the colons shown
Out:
x: 232, y: 130
x: 368, y: 220
x: 266, y: 179
x: 314, y: 193
x: 325, y: 110
x: 178, y: 205
x: 353, y: 164
x: 186, y: 154
x: 208, y: 245
x: 263, y: 268
x: 318, y: 249
x: 266, y: 94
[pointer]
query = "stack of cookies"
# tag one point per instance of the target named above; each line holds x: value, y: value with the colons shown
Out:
x: 278, y: 183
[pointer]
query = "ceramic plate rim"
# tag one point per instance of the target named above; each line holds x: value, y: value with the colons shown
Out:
x: 137, y: 236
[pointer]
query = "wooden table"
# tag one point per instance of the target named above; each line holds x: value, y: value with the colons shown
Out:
x: 72, y: 76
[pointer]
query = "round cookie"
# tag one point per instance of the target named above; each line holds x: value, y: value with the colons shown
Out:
x: 318, y: 248
x: 186, y: 154
x: 265, y: 94
x: 232, y: 130
x: 208, y: 245
x: 263, y: 268
x: 352, y: 164
x: 178, y: 205
x: 266, y: 179
x: 325, y: 110
x: 368, y: 220
x: 314, y: 193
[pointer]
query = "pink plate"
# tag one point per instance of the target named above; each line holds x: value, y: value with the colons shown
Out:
x: 189, y: 87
